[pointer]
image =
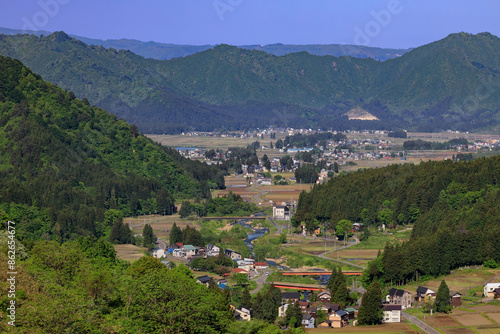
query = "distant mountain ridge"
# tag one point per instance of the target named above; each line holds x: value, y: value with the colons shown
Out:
x: 449, y: 84
x: 162, y: 51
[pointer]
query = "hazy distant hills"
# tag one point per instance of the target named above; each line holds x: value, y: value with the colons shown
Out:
x: 437, y: 86
x: 162, y: 51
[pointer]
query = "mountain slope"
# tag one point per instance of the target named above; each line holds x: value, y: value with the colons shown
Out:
x: 64, y: 163
x: 163, y: 51
x: 433, y: 87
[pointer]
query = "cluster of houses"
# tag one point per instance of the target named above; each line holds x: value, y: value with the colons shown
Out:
x: 190, y: 252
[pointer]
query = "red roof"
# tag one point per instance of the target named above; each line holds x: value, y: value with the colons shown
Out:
x: 260, y: 263
x: 180, y: 244
x: 239, y: 270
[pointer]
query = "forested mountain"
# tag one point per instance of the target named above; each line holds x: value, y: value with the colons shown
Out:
x: 64, y: 164
x: 162, y: 51
x: 454, y: 206
x: 451, y: 83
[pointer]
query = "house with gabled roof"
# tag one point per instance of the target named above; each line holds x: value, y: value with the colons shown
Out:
x: 424, y: 293
x: 325, y: 295
x: 455, y: 299
x: 399, y: 297
x: 308, y: 320
x: 288, y: 297
x: 203, y: 279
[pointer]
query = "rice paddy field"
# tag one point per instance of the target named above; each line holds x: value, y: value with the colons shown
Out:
x: 380, y: 329
x: 483, y: 319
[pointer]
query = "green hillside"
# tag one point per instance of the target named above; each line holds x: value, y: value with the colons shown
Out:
x: 434, y: 87
x: 454, y: 208
x: 64, y: 164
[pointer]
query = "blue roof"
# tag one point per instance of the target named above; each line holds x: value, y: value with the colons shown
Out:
x: 341, y: 313
x: 224, y: 286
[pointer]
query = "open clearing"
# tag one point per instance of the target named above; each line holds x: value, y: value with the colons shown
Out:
x: 488, y: 330
x: 457, y: 330
x: 161, y: 224
x: 129, y: 252
x: 458, y: 281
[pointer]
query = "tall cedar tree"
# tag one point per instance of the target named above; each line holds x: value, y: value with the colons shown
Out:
x: 443, y: 298
x: 370, y: 311
x: 246, y: 299
x: 331, y: 280
x: 149, y: 238
x: 175, y: 234
x: 340, y: 295
x: 293, y: 315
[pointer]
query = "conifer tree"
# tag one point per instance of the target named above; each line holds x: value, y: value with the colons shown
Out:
x: 246, y: 299
x: 149, y: 238
x: 340, y: 294
x: 175, y: 234
x: 114, y: 236
x: 370, y: 311
x: 293, y: 315
x: 443, y: 298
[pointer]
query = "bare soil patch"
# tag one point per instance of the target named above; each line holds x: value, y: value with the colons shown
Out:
x: 495, y: 317
x: 384, y: 328
x: 441, y: 321
x: 457, y: 330
x: 472, y: 319
x: 486, y: 308
x: 129, y: 252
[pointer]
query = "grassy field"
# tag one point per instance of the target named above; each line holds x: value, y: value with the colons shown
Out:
x: 459, y: 280
x: 161, y: 224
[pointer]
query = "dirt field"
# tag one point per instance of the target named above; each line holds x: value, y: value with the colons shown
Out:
x: 457, y: 330
x: 380, y: 329
x: 488, y: 330
x: 473, y: 319
x: 441, y: 321
x: 494, y: 316
x: 129, y: 252
x: 161, y: 224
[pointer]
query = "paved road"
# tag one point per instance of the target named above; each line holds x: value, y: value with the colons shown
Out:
x: 414, y: 320
x: 280, y: 230
x: 260, y: 281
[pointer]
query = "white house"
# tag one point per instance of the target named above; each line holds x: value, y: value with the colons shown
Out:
x: 158, y: 252
x: 392, y: 313
x: 489, y: 288
x: 281, y: 212
x: 307, y: 320
x: 243, y: 314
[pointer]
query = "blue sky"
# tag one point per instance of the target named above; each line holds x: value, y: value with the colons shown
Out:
x: 380, y: 23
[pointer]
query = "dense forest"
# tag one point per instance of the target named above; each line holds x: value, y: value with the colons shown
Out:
x: 82, y: 287
x: 230, y: 88
x: 454, y: 208
x: 64, y: 164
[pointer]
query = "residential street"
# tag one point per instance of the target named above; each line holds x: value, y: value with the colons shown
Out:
x: 419, y: 323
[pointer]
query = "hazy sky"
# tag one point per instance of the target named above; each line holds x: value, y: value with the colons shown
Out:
x: 387, y: 23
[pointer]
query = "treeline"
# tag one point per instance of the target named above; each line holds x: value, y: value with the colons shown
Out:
x: 454, y: 206
x: 230, y: 204
x: 187, y: 236
x: 402, y: 192
x: 64, y: 163
x: 420, y: 144
x: 437, y: 253
x: 321, y: 138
